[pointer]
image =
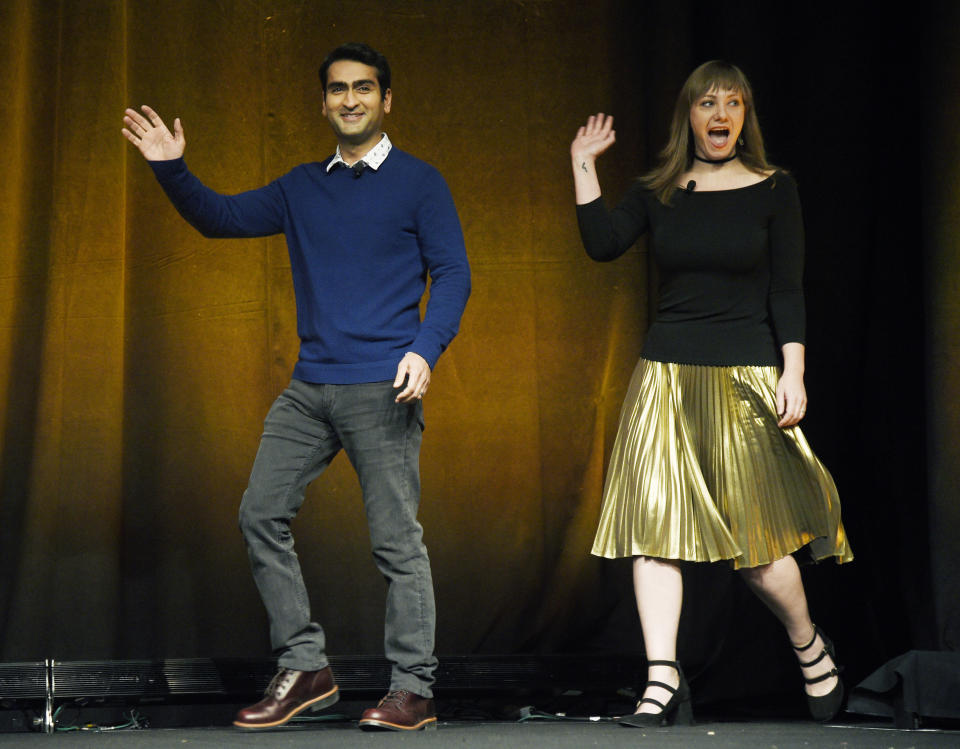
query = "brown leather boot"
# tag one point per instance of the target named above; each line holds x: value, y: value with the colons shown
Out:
x: 290, y: 692
x: 401, y: 711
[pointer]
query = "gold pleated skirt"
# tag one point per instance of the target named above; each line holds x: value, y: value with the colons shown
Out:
x: 701, y: 472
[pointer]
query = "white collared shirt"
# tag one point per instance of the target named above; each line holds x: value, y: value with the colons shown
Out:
x: 372, y: 158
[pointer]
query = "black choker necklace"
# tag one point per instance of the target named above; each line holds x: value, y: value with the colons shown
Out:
x: 731, y: 157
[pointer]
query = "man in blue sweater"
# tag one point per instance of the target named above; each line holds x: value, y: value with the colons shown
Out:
x: 363, y: 228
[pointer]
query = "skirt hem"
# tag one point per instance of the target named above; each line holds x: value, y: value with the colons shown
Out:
x: 840, y: 556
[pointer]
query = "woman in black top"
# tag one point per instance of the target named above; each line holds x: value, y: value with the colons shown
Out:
x: 708, y: 463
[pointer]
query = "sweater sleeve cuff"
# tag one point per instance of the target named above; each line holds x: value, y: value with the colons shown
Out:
x: 429, y: 351
x: 164, y: 170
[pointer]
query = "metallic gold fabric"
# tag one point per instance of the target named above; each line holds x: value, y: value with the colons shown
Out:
x: 701, y: 472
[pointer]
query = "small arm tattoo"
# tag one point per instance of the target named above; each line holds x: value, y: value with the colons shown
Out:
x: 583, y: 165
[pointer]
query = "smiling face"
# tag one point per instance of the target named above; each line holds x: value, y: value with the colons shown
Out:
x: 716, y: 119
x: 354, y: 105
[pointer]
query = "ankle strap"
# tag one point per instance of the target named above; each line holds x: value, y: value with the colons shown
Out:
x: 816, y: 631
x: 652, y: 701
x: 815, y: 661
x: 662, y: 685
x: 672, y: 664
x: 835, y: 671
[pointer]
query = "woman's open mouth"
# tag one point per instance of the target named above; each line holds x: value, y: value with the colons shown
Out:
x: 718, y: 136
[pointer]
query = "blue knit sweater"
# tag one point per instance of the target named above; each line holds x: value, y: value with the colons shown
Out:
x: 360, y: 250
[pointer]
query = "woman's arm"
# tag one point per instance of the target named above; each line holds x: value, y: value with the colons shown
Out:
x: 605, y: 235
x: 791, y: 393
x: 592, y: 140
x: 786, y: 298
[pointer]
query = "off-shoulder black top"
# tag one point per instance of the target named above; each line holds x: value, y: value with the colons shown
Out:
x: 730, y: 268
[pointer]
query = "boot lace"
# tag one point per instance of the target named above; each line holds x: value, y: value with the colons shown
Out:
x: 280, y: 683
x: 395, y: 698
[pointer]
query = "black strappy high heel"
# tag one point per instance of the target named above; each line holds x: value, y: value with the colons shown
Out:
x: 677, y: 709
x: 827, y: 706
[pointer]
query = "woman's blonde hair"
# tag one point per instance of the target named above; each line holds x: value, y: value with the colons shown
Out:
x: 677, y: 156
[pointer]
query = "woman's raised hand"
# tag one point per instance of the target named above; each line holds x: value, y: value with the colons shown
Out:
x: 151, y: 136
x: 593, y: 138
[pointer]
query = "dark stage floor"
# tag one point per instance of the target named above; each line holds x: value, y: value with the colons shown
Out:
x: 772, y: 735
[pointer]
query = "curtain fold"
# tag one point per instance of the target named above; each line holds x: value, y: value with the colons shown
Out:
x: 139, y: 358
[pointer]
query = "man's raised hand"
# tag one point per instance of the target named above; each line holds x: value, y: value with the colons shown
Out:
x: 151, y: 136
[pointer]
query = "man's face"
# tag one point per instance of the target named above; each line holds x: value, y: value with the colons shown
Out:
x: 353, y: 104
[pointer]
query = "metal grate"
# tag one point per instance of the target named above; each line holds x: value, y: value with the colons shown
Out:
x: 191, y: 679
x: 145, y: 679
x: 23, y: 680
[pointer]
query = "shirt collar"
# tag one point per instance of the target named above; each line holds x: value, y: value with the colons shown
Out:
x: 372, y: 158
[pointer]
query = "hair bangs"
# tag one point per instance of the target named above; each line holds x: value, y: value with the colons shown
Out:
x: 717, y: 75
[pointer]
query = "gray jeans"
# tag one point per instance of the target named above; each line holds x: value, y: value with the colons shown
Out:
x: 304, y: 429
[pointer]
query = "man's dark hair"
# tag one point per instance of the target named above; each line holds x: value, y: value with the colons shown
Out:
x: 359, y: 52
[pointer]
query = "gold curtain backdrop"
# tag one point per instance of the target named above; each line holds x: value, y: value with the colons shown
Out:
x: 139, y: 359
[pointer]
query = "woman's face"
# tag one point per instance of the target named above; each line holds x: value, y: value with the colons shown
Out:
x: 716, y: 119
